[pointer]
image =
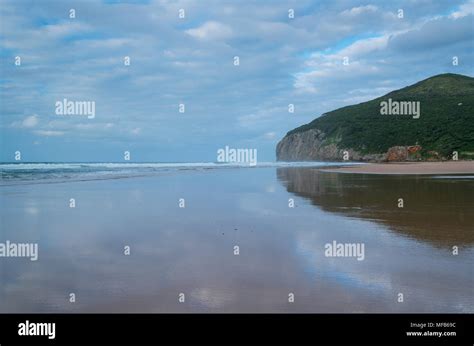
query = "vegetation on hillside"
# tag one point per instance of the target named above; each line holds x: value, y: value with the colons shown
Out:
x: 446, y: 121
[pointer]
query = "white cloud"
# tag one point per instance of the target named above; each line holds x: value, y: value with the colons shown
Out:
x: 269, y: 135
x: 136, y: 131
x: 331, y: 68
x: 189, y: 61
x: 49, y: 133
x: 261, y: 116
x: 211, y: 30
x: 365, y: 46
x: 322, y: 66
x: 30, y: 121
x: 304, y: 82
x: 64, y: 29
x: 355, y: 11
x: 464, y: 10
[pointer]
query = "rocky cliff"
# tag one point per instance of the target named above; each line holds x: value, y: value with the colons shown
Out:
x: 440, y: 125
x: 312, y: 145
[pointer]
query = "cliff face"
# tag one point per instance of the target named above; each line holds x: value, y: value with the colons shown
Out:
x: 440, y: 124
x: 312, y: 145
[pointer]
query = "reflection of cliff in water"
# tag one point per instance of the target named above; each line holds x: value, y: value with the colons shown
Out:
x: 439, y: 211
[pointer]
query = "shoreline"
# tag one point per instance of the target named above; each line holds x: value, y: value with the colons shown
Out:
x: 408, y: 168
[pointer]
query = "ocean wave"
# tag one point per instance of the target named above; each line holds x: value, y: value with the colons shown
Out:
x: 31, y: 173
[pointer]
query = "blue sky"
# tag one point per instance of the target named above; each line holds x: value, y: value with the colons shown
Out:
x: 191, y: 61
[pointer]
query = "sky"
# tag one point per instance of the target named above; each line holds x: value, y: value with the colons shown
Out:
x: 283, y: 60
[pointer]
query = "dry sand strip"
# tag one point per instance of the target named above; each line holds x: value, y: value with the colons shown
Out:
x: 447, y: 167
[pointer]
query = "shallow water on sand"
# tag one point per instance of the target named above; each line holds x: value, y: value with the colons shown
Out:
x: 282, y: 250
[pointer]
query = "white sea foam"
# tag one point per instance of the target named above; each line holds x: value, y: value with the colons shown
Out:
x: 32, y: 173
x: 114, y: 165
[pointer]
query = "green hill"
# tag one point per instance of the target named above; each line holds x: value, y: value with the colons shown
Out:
x: 445, y: 124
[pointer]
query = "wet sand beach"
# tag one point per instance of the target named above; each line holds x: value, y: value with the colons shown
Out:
x: 446, y: 167
x: 191, y: 250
